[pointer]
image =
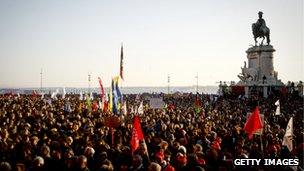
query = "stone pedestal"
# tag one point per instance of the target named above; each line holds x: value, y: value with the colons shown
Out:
x: 260, y: 70
x: 261, y: 59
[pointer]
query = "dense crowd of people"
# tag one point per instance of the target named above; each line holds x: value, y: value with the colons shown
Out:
x: 40, y: 134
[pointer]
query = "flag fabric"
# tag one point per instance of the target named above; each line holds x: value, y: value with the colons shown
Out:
x: 80, y: 96
x: 110, y: 101
x: 278, y: 110
x: 54, y: 94
x: 287, y: 140
x: 63, y: 94
x: 42, y: 96
x: 253, y: 123
x: 140, y: 109
x: 137, y: 134
x: 100, y: 105
x: 121, y: 63
x: 118, y: 93
x: 34, y: 93
x: 115, y: 97
x: 102, y: 91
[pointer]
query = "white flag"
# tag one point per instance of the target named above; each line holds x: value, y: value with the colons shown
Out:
x: 140, y: 109
x: 42, y: 96
x: 54, y: 94
x: 63, y: 94
x: 100, y: 105
x: 278, y: 110
x: 287, y: 140
x: 80, y: 96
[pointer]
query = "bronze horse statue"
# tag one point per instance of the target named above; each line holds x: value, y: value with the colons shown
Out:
x: 260, y: 30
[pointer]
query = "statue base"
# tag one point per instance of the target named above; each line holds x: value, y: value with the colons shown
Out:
x: 260, y: 70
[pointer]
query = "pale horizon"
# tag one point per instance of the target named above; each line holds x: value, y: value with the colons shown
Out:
x: 69, y: 39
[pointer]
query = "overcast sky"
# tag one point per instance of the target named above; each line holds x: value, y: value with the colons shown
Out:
x: 70, y: 38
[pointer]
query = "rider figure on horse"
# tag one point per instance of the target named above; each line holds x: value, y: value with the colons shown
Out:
x: 261, y: 23
x: 260, y: 30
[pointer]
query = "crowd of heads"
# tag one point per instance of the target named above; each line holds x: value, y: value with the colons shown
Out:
x: 39, y: 134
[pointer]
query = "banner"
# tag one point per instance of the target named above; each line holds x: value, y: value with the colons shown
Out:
x: 156, y: 103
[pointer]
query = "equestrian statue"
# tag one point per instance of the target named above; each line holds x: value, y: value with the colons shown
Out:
x: 260, y: 30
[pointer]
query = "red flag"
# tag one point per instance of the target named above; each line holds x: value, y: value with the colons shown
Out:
x: 121, y: 63
x: 105, y: 106
x: 34, y: 93
x: 253, y: 123
x: 137, y: 134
